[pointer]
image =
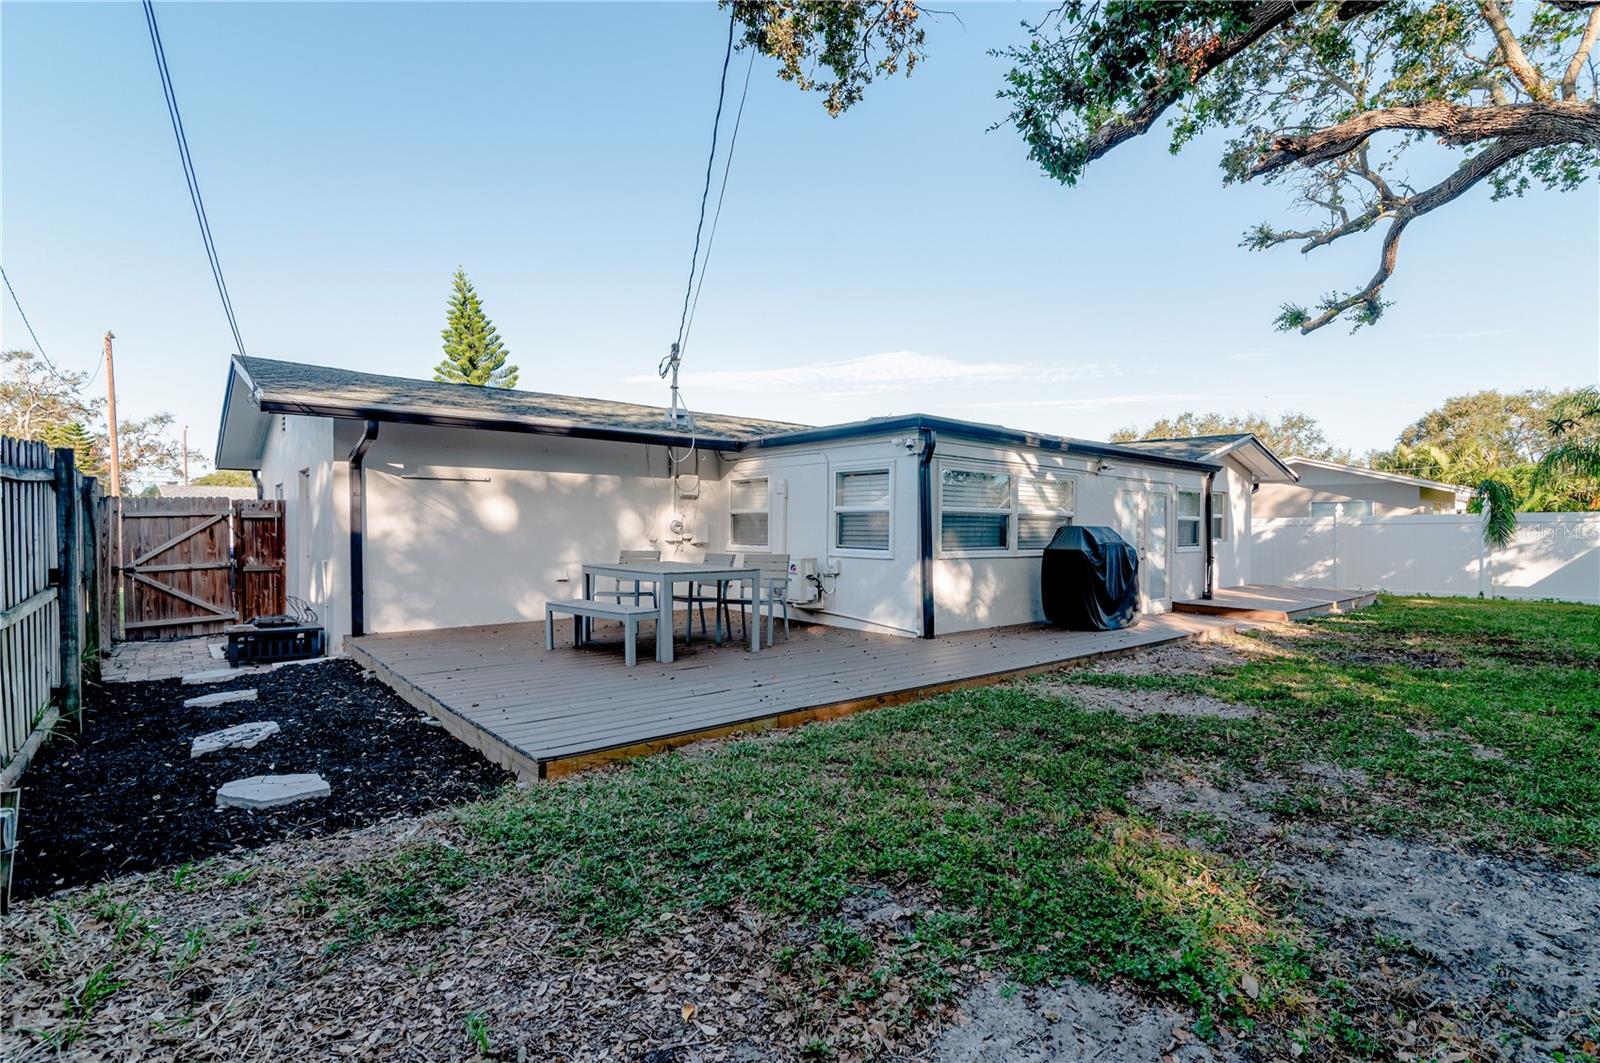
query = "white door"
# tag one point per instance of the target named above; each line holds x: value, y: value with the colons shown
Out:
x: 1154, y: 549
x: 1143, y: 518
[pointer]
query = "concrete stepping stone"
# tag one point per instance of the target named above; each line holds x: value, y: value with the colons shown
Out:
x: 215, y: 675
x: 221, y: 697
x: 270, y: 791
x: 239, y: 736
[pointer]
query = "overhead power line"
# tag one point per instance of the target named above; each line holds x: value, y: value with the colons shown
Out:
x: 37, y: 346
x: 705, y: 194
x: 29, y: 325
x: 193, y: 182
x: 711, y: 239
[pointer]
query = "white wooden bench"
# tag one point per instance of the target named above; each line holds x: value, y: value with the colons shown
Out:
x: 581, y: 609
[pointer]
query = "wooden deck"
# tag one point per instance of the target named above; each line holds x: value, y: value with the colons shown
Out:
x: 1280, y: 604
x: 546, y: 713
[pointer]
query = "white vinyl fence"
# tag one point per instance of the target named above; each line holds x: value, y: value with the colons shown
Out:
x: 1555, y: 555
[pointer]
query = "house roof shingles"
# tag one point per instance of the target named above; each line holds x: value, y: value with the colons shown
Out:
x: 1195, y: 448
x: 292, y: 386
x: 323, y: 391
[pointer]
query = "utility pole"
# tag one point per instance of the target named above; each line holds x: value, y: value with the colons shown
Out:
x: 111, y: 418
x: 186, y: 455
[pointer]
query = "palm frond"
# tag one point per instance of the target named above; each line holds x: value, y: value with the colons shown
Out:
x: 1574, y: 412
x: 1498, y: 502
x: 1579, y: 461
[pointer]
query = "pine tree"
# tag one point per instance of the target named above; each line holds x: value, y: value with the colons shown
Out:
x: 88, y: 451
x: 473, y: 353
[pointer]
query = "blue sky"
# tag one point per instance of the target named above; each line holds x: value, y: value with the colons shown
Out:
x: 900, y: 258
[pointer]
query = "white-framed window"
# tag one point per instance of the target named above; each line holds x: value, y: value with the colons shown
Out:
x: 974, y: 510
x: 1043, y: 506
x: 1354, y: 507
x: 1190, y: 517
x: 1219, y: 516
x: 749, y: 512
x: 985, y: 512
x: 863, y: 511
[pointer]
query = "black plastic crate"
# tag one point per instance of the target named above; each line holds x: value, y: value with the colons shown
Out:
x: 248, y: 644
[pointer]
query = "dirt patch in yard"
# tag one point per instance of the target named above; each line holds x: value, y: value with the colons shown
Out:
x: 1511, y: 939
x: 235, y: 965
x: 1505, y: 948
x: 999, y: 1023
x: 1135, y: 703
x: 1189, y: 657
x: 125, y: 795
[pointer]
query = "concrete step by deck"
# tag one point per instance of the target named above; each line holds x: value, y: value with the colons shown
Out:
x: 215, y: 675
x: 222, y: 675
x: 239, y: 736
x: 270, y: 791
x: 221, y: 697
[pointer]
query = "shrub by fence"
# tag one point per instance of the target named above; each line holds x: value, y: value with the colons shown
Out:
x: 50, y: 605
x: 1554, y: 555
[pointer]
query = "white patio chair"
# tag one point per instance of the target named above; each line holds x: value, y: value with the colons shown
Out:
x: 774, y: 591
x: 701, y: 593
x: 636, y: 591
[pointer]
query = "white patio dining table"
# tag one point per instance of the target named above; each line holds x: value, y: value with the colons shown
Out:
x: 664, y: 574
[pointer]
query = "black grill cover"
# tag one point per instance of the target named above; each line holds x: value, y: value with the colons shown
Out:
x: 1089, y: 580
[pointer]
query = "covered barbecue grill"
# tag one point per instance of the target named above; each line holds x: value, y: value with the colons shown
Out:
x: 1089, y: 579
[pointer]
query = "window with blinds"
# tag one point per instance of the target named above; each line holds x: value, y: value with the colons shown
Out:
x: 1189, y: 518
x: 1219, y: 516
x: 974, y: 510
x: 1043, y: 506
x: 749, y: 516
x: 992, y: 511
x: 861, y: 510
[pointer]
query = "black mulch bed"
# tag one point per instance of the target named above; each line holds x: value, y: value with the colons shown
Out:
x: 125, y: 796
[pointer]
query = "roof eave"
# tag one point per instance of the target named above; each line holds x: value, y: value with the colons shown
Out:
x: 1282, y: 474
x: 528, y: 426
x: 978, y: 432
x: 236, y: 373
x: 1379, y: 474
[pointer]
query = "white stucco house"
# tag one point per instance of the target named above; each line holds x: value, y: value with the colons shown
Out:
x: 412, y: 504
x: 1321, y: 486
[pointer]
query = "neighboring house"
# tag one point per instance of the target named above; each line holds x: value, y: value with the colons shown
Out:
x: 414, y: 504
x: 203, y: 491
x: 1323, y: 485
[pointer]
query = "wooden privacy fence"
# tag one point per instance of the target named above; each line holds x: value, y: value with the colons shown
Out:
x: 49, y: 595
x: 191, y: 566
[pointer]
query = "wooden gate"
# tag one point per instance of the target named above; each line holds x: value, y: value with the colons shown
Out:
x: 190, y: 566
x: 258, y: 552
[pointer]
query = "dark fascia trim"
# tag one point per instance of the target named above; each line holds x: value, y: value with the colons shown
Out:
x: 983, y: 433
x: 925, y: 527
x: 390, y: 415
x: 358, y: 529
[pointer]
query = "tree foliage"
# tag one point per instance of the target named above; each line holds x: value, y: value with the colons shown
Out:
x: 1531, y: 452
x: 833, y: 47
x: 1328, y: 97
x: 1507, y: 438
x: 224, y: 478
x: 49, y: 405
x: 473, y: 352
x: 1291, y: 434
x: 35, y: 399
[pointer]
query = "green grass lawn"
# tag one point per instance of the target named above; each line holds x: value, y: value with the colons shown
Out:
x: 1478, y: 719
x: 1007, y: 810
